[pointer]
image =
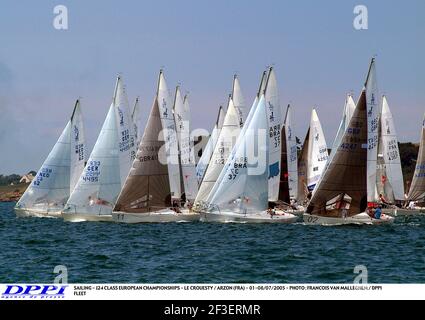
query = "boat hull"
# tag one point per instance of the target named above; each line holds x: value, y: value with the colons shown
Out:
x: 261, y: 217
x: 23, y: 213
x: 83, y: 217
x: 359, y: 219
x: 155, y: 217
x: 410, y: 212
x: 390, y: 211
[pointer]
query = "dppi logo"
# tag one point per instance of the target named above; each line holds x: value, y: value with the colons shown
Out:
x: 121, y: 117
x: 34, y: 292
x: 76, y: 133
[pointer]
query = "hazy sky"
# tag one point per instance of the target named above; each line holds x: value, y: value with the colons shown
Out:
x: 317, y: 53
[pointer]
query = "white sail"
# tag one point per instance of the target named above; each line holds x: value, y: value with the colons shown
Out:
x: 135, y: 117
x: 78, y: 146
x: 126, y: 138
x: 244, y: 187
x: 203, y: 162
x: 239, y: 101
x: 50, y: 188
x: 260, y: 92
x: 98, y: 186
x: 274, y: 117
x: 187, y: 156
x: 291, y: 155
x: 349, y: 107
x: 417, y: 188
x: 240, y: 138
x: 222, y: 150
x: 372, y: 99
x: 391, y: 155
x: 317, y: 152
x: 170, y: 137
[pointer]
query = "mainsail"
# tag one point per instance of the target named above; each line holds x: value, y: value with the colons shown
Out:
x: 343, y: 185
x: 417, y: 188
x: 170, y: 137
x: 224, y: 145
x: 275, y: 126
x: 390, y: 177
x: 317, y: 152
x: 349, y: 107
x: 244, y: 187
x: 239, y: 101
x: 100, y: 183
x: 78, y: 145
x: 203, y: 162
x: 289, y: 172
x: 240, y: 138
x: 51, y: 186
x: 125, y: 127
x: 372, y: 99
x: 187, y: 156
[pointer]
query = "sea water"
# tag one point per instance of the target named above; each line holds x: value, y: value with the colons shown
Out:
x: 30, y: 248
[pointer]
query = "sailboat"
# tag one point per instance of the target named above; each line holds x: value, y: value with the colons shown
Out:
x: 313, y: 159
x: 201, y: 166
x: 347, y: 187
x: 242, y: 194
x: 99, y: 184
x: 186, y: 146
x: 152, y: 190
x: 389, y: 177
x: 232, y: 124
x: 288, y: 188
x: 48, y: 192
x: 247, y: 172
x: 416, y: 197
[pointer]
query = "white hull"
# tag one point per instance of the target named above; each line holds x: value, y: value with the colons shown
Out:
x: 359, y: 219
x: 23, y: 213
x: 261, y: 217
x: 82, y: 217
x: 155, y: 217
x: 410, y: 212
x: 390, y: 211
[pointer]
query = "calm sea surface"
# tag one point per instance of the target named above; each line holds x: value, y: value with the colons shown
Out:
x: 208, y: 253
